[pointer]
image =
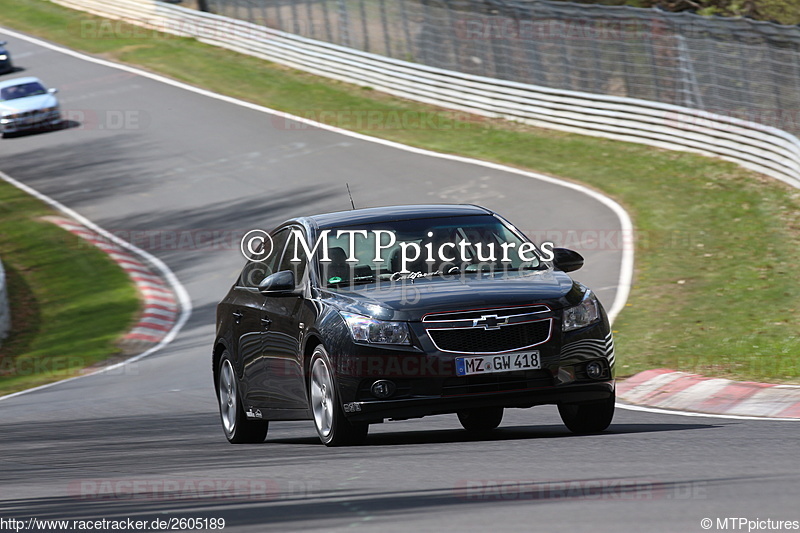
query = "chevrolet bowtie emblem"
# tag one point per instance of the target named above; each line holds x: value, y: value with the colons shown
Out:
x: 490, y: 322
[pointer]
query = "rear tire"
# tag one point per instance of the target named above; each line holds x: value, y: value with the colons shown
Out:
x: 481, y: 420
x: 238, y: 429
x: 587, y: 418
x: 332, y: 426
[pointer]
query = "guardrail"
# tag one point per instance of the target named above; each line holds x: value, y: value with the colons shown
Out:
x: 761, y: 148
x: 5, y: 312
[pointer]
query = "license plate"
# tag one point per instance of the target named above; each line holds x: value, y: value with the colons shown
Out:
x: 488, y: 364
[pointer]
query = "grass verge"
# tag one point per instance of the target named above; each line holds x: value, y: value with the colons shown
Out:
x: 69, y: 301
x: 714, y: 290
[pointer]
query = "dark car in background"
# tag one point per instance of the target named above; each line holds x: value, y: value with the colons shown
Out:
x: 5, y: 59
x: 340, y: 324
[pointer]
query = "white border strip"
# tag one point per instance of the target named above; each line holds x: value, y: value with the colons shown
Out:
x: 172, y: 279
x: 626, y: 263
x: 657, y: 411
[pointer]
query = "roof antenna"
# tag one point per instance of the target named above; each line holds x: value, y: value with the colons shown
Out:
x: 351, y: 195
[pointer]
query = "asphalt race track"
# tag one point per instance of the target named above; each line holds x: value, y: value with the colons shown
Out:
x: 145, y: 156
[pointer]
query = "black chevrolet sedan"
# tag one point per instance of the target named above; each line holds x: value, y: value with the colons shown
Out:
x: 354, y: 318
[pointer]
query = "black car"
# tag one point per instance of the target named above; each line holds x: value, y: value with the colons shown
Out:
x: 336, y: 319
x: 5, y: 59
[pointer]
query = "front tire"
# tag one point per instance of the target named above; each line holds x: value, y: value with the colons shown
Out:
x: 332, y: 426
x: 584, y: 419
x: 481, y: 420
x: 238, y: 429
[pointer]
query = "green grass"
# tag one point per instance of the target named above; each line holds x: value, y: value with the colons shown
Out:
x: 69, y: 301
x: 714, y: 289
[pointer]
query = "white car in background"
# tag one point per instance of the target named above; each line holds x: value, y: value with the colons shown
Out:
x: 26, y: 104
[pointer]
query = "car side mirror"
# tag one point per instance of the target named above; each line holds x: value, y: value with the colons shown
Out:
x: 52, y: 91
x: 278, y: 283
x: 567, y: 260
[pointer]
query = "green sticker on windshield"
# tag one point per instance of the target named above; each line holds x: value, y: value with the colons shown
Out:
x: 335, y: 279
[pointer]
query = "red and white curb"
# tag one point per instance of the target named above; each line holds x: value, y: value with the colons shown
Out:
x: 671, y: 390
x: 160, y: 303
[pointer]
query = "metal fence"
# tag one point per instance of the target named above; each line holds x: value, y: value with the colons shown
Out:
x: 731, y: 67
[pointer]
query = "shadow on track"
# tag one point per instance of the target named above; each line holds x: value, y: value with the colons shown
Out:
x: 508, y: 433
x: 76, y: 176
x: 15, y: 70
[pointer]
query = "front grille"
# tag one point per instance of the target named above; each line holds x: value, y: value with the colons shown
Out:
x: 480, y: 340
x: 504, y: 382
x: 451, y: 316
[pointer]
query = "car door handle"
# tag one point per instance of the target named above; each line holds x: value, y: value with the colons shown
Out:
x: 266, y: 322
x: 238, y: 316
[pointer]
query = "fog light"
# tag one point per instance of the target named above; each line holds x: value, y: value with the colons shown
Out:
x: 383, y: 388
x: 594, y: 370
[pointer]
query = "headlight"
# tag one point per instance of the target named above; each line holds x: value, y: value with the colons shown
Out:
x: 585, y: 313
x: 3, y: 57
x: 50, y: 109
x: 364, y: 329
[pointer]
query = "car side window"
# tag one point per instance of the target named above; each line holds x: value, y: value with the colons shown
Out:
x: 254, y: 272
x: 298, y: 267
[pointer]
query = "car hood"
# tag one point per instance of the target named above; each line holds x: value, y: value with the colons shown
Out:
x: 411, y: 301
x: 30, y: 103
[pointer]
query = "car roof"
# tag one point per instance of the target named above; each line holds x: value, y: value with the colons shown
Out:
x: 19, y: 81
x: 392, y: 213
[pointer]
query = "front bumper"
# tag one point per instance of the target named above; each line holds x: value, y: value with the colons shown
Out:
x: 426, y: 382
x: 377, y: 410
x: 30, y: 121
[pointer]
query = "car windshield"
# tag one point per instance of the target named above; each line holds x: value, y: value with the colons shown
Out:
x: 21, y: 91
x: 422, y: 248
